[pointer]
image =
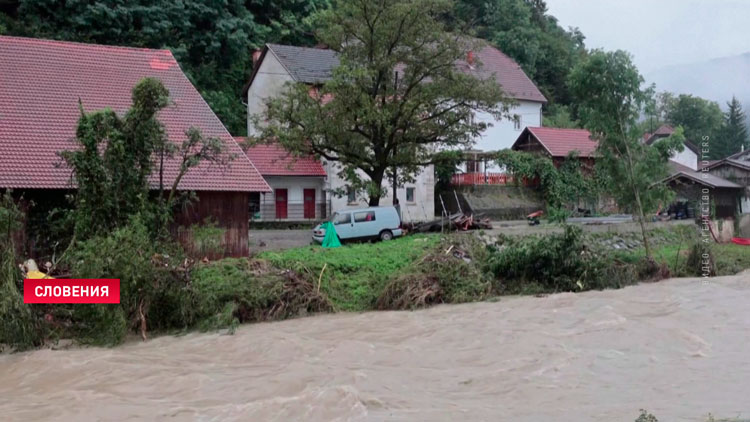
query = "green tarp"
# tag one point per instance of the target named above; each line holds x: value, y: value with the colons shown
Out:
x: 331, y: 240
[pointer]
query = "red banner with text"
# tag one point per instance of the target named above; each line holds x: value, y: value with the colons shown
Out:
x: 80, y: 290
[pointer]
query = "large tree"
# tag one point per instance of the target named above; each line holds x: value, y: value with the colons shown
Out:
x: 398, y: 95
x: 607, y: 86
x: 734, y: 135
x: 700, y: 118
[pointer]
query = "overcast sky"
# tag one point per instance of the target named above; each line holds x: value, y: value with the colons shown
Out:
x: 659, y: 33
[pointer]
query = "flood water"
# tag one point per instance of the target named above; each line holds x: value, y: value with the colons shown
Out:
x: 679, y: 348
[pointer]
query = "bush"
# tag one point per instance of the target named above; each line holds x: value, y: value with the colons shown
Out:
x: 147, y: 273
x: 19, y: 328
x: 561, y: 262
x: 449, y: 273
x: 233, y: 291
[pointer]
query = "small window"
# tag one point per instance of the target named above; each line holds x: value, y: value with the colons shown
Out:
x: 516, y: 122
x: 363, y: 217
x: 409, y: 194
x: 351, y: 195
x: 344, y: 218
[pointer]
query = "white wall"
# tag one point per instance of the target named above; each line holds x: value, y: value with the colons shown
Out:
x: 295, y: 186
x: 268, y: 82
x: 421, y: 209
x: 504, y: 132
x: 687, y: 158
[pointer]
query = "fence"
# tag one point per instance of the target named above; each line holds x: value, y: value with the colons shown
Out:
x: 499, y: 179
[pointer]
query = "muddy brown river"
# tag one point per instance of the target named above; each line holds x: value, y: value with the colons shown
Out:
x: 679, y: 348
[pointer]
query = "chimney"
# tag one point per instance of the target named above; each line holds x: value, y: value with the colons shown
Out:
x: 470, y: 58
x: 256, y: 57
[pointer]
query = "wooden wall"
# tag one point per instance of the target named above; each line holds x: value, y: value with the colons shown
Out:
x: 230, y: 210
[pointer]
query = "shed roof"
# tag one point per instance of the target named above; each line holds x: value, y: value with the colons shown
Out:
x: 560, y: 142
x: 41, y: 84
x: 274, y: 160
x: 680, y: 171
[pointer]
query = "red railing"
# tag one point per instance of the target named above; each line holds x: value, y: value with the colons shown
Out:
x: 469, y: 179
x: 464, y: 179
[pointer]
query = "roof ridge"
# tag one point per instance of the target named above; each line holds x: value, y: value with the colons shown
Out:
x: 87, y: 44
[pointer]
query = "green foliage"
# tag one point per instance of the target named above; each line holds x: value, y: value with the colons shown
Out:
x: 448, y: 273
x: 734, y: 135
x: 607, y: 86
x: 116, y: 157
x: 114, y: 160
x: 563, y: 262
x: 146, y: 270
x: 394, y: 100
x: 233, y: 291
x: 446, y: 164
x: 354, y: 275
x: 19, y: 328
x: 558, y: 115
x: 207, y: 238
x: 701, y: 119
x: 562, y: 187
x: 646, y: 417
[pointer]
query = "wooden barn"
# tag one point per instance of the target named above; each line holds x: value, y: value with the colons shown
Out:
x: 42, y: 83
x: 558, y: 143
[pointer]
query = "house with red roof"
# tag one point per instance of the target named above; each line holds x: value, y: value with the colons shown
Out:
x: 297, y: 183
x: 558, y: 144
x: 42, y: 83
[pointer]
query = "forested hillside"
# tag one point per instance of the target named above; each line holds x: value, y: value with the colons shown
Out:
x: 212, y: 39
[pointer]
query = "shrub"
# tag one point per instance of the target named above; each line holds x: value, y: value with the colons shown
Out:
x: 562, y: 262
x: 233, y: 291
x: 19, y: 328
x: 147, y: 273
x: 448, y: 273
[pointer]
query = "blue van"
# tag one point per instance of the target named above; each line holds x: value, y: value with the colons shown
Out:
x: 372, y: 223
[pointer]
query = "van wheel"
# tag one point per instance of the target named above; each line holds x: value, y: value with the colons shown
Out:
x: 386, y: 235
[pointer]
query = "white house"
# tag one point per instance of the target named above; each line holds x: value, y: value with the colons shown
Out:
x: 276, y: 65
x: 298, y: 185
x: 527, y: 111
x: 688, y: 157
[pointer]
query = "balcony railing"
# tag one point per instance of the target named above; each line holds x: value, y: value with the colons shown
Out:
x: 466, y: 179
x: 473, y: 179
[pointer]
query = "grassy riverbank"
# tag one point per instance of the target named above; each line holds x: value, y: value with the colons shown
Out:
x: 166, y: 293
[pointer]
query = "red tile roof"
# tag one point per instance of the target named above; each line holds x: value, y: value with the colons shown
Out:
x: 41, y: 83
x: 506, y: 72
x: 560, y: 142
x: 274, y: 160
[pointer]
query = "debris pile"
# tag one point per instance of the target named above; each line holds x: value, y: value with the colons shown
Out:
x: 456, y: 222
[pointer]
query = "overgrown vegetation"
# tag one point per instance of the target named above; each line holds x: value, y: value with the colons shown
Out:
x: 563, y: 187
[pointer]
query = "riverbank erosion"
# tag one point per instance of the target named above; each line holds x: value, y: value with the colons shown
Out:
x: 675, y: 348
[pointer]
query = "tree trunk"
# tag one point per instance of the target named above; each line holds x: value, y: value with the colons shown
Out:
x: 637, y: 194
x: 377, y: 180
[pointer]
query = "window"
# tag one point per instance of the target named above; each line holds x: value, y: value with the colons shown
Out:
x: 516, y: 122
x: 409, y: 194
x: 342, y: 218
x: 365, y: 216
x: 351, y: 195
